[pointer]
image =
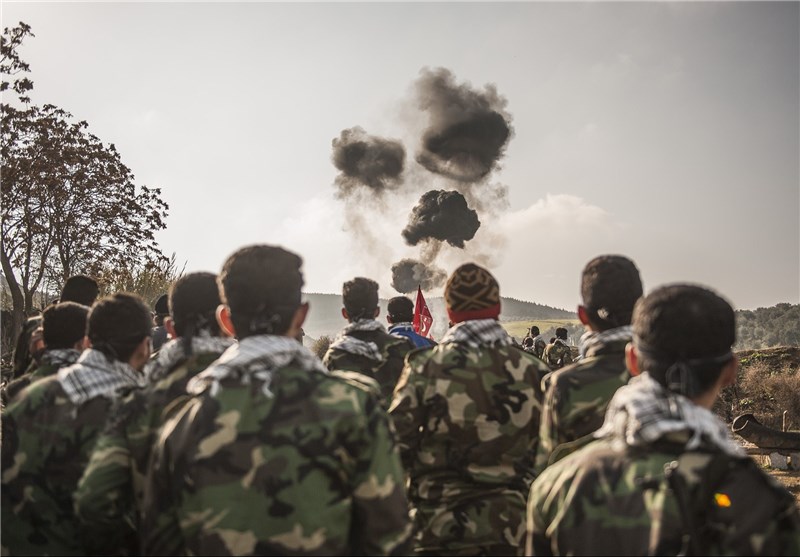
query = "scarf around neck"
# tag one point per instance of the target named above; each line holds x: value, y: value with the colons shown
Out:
x: 94, y: 374
x: 352, y: 345
x: 477, y: 333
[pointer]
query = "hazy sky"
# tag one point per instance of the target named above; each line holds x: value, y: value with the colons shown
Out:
x: 668, y: 132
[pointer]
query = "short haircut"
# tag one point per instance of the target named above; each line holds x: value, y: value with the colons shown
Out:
x: 193, y: 302
x: 400, y: 310
x: 118, y: 323
x: 561, y: 333
x: 534, y: 331
x: 610, y: 286
x: 261, y: 285
x: 80, y: 289
x: 63, y: 325
x: 360, y: 297
x: 684, y: 326
x: 527, y: 342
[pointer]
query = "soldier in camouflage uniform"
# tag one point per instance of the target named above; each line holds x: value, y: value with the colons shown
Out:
x: 111, y: 492
x: 63, y: 333
x: 664, y: 476
x: 364, y: 345
x: 272, y: 454
x: 51, y: 426
x: 576, y: 396
x: 558, y: 354
x: 467, y: 416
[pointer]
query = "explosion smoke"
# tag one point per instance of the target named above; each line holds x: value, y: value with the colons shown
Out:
x: 442, y: 215
x: 407, y: 274
x: 367, y: 160
x: 468, y: 129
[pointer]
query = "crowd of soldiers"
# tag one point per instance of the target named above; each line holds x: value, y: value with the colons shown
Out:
x: 234, y: 439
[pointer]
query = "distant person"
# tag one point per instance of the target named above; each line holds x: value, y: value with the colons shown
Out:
x: 577, y: 395
x: 538, y: 342
x: 467, y: 418
x: 664, y: 476
x: 400, y: 316
x: 160, y: 334
x: 51, y: 426
x: 364, y: 345
x: 273, y: 455
x: 557, y: 354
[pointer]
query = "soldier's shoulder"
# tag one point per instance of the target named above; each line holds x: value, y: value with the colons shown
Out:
x: 34, y: 394
x: 418, y: 356
x: 356, y: 380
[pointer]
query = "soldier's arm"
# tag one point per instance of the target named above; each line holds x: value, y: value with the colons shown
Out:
x: 548, y: 429
x: 406, y: 410
x: 537, y: 541
x: 380, y: 508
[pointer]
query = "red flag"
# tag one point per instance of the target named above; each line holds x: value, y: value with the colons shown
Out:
x: 422, y: 316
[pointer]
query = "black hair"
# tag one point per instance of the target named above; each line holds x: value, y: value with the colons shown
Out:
x: 80, y: 289
x: 360, y: 297
x: 117, y: 324
x: 610, y: 286
x: 261, y: 286
x: 527, y: 342
x: 63, y: 325
x: 193, y: 302
x: 400, y: 309
x: 561, y: 333
x: 534, y: 331
x: 683, y: 335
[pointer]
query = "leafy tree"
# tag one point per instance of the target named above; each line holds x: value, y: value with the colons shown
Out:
x: 150, y: 279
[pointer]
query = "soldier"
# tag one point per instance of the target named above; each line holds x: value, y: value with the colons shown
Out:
x: 160, y: 313
x: 50, y: 428
x: 664, y: 476
x: 63, y: 333
x: 111, y: 491
x: 576, y: 396
x: 467, y: 417
x: 538, y: 342
x: 272, y: 454
x: 557, y: 354
x: 400, y: 314
x: 364, y: 345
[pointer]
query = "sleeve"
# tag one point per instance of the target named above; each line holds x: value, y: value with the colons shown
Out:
x: 548, y: 428
x: 407, y: 411
x: 536, y: 540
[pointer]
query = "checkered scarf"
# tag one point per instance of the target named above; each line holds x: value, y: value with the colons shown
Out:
x: 353, y: 345
x: 60, y: 357
x: 477, y: 333
x: 94, y: 374
x: 591, y: 340
x: 257, y: 356
x: 174, y: 352
x: 643, y: 411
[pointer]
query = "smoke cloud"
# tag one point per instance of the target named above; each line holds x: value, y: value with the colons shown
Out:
x: 468, y: 129
x: 407, y: 274
x: 366, y: 160
x: 442, y: 215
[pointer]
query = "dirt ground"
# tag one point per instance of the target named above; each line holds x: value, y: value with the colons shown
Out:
x: 790, y: 479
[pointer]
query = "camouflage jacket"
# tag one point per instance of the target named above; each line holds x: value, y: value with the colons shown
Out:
x: 557, y: 354
x: 385, y: 365
x: 111, y: 492
x: 467, y: 419
x: 576, y: 398
x: 603, y: 500
x: 272, y: 455
x: 51, y: 362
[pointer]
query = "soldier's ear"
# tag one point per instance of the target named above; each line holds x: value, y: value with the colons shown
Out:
x: 729, y: 372
x: 632, y: 359
x: 298, y: 319
x: 345, y: 314
x: 583, y: 315
x: 377, y: 312
x: 224, y: 320
x: 169, y: 325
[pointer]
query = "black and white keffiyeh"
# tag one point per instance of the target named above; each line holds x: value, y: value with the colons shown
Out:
x: 591, y: 340
x: 94, y: 374
x: 174, y: 351
x: 60, y: 357
x: 352, y: 345
x: 476, y: 333
x: 257, y: 356
x: 643, y: 411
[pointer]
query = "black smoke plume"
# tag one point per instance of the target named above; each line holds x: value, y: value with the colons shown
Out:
x: 407, y: 274
x: 442, y: 215
x: 468, y: 129
x: 367, y: 160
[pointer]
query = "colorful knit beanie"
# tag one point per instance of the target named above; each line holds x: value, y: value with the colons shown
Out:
x: 472, y: 293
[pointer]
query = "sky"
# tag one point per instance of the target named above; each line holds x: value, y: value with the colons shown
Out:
x: 666, y: 132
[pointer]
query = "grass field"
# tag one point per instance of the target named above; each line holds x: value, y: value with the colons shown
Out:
x: 519, y: 328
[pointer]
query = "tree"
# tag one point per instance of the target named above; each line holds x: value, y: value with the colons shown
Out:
x: 149, y: 280
x: 69, y: 204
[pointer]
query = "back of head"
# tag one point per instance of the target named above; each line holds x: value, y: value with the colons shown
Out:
x: 400, y: 310
x: 360, y: 298
x: 63, y: 325
x: 261, y: 285
x: 472, y: 293
x: 527, y: 342
x: 683, y: 334
x: 118, y: 324
x: 534, y: 331
x: 561, y: 333
x: 193, y: 302
x: 80, y: 289
x: 610, y: 286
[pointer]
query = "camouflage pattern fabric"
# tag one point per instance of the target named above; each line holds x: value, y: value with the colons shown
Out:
x: 467, y: 420
x: 576, y: 398
x: 46, y: 445
x: 52, y: 361
x: 385, y: 371
x: 291, y: 462
x: 111, y: 492
x: 604, y: 501
x: 557, y: 354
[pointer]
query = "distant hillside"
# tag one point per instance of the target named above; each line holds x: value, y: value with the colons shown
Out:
x: 778, y: 325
